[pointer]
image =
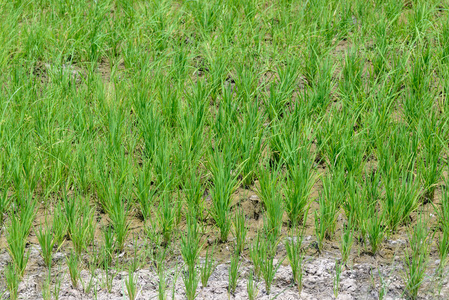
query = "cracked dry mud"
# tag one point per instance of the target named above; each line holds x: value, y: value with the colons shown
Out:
x: 361, y: 280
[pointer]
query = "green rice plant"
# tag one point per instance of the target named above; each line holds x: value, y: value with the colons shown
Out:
x: 416, y: 258
x: 108, y: 247
x: 207, y: 268
x: 224, y: 183
x: 351, y: 82
x: 269, y: 192
x: 145, y: 193
x: 47, y: 242
x: 166, y: 216
x: 234, y: 272
x: 5, y: 203
x: 46, y: 292
x: 117, y: 208
x: 162, y: 285
x: 336, y: 282
x: 249, y: 141
x: 194, y: 195
x: 17, y: 234
x: 375, y: 229
x: 74, y: 272
x: 251, y: 287
x: 60, y: 226
x: 326, y: 216
x: 190, y: 250
x: 355, y: 207
x: 295, y: 256
x: 347, y: 241
x: 257, y: 254
x: 401, y: 198
x: 240, y: 231
x: 443, y: 220
x: 12, y: 281
x: 281, y: 91
x: 131, y: 285
x: 269, y: 268
x: 81, y: 225
x: 428, y: 165
x: 300, y: 180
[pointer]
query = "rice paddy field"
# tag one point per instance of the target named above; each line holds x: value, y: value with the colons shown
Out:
x: 224, y: 149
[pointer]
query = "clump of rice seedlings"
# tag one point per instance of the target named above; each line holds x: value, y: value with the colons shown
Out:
x: 166, y: 216
x: 443, y: 220
x: 375, y: 229
x: 271, y: 196
x: 326, y: 216
x: 257, y: 255
x: 12, y: 281
x: 295, y: 256
x: 240, y: 231
x: 194, y: 195
x: 429, y: 167
x: 46, y: 241
x: 251, y: 287
x: 234, y: 272
x: 190, y: 250
x: 17, y: 233
x: 117, y: 209
x: 402, y: 193
x: 80, y: 222
x: 337, y: 277
x: 269, y: 267
x: 207, y: 268
x: 5, y: 203
x: 60, y: 225
x: 416, y: 258
x: 224, y: 183
x: 299, y: 183
x: 347, y: 241
x: 146, y: 193
x: 108, y: 247
x: 131, y: 285
x: 248, y: 138
x: 74, y: 271
x: 281, y: 91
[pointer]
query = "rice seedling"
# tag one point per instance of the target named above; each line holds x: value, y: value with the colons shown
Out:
x: 74, y: 271
x: 401, y: 198
x: 12, y: 281
x: 190, y: 250
x: 337, y: 277
x: 224, y: 183
x: 81, y: 225
x: 295, y: 256
x: 166, y: 216
x: 207, y: 268
x: 17, y: 234
x: 240, y: 231
x: 272, y: 200
x: 269, y: 267
x: 299, y: 184
x: 131, y: 287
x: 347, y: 241
x: 326, y: 216
x: 416, y: 258
x: 234, y: 272
x: 47, y: 242
x: 251, y: 287
x: 443, y: 215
